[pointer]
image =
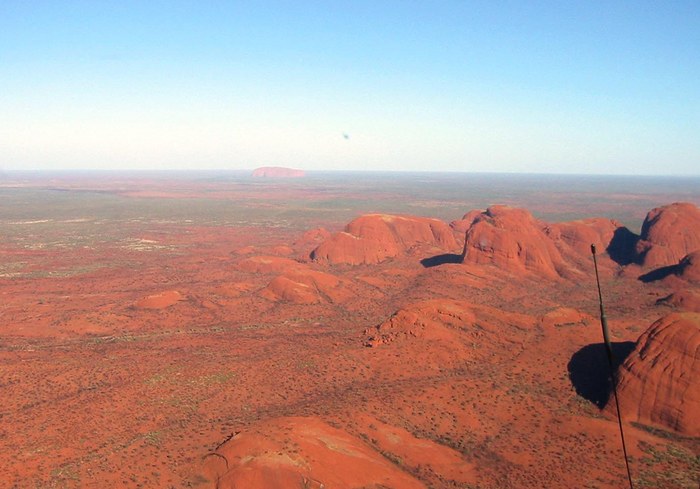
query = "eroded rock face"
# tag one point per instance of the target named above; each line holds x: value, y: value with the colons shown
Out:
x: 658, y: 382
x: 373, y: 238
x: 580, y: 235
x: 513, y: 240
x: 293, y: 453
x: 278, y: 172
x: 463, y: 225
x: 668, y: 234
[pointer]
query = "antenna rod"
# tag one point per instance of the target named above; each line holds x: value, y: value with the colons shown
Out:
x: 611, y: 363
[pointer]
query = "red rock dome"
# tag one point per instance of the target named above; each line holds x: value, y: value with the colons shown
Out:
x: 373, y: 238
x: 668, y: 234
x: 658, y: 380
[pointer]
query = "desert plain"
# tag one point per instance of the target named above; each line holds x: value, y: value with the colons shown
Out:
x: 360, y: 330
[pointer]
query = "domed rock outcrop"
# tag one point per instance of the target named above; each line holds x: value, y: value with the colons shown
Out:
x: 429, y: 320
x: 292, y: 453
x: 445, y: 320
x: 580, y: 235
x: 304, y: 286
x: 668, y: 234
x: 161, y: 300
x: 373, y: 238
x: 462, y: 225
x: 268, y: 264
x: 512, y: 239
x: 658, y: 381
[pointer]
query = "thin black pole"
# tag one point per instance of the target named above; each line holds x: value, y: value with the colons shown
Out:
x: 613, y: 376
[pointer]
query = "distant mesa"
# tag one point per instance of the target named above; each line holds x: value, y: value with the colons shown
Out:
x: 658, y: 380
x: 277, y: 172
x: 289, y: 453
x: 374, y: 238
x: 668, y: 234
x: 159, y: 301
x: 512, y: 239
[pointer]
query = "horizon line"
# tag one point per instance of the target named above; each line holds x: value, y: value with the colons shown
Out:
x: 249, y: 170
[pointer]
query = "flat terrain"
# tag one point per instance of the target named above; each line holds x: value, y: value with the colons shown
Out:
x: 140, y: 328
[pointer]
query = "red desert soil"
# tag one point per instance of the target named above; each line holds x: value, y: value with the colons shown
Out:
x: 658, y: 381
x: 484, y: 374
x: 374, y: 238
x: 278, y: 172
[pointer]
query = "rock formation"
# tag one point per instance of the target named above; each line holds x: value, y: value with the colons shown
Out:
x: 689, y: 267
x: 578, y: 236
x: 159, y: 301
x: 373, y: 238
x: 658, y: 380
x: 293, y: 453
x: 277, y: 172
x: 268, y: 264
x: 446, y: 320
x: 685, y: 300
x: 429, y: 320
x: 668, y: 234
x: 513, y: 240
x: 462, y: 225
x: 303, y: 286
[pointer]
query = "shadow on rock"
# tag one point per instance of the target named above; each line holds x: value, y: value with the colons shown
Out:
x: 658, y: 274
x: 622, y: 248
x: 589, y: 371
x: 436, y: 260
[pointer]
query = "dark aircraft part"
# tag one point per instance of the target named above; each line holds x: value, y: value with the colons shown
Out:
x: 611, y: 363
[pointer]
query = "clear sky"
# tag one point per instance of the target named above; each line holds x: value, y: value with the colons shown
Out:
x: 506, y: 86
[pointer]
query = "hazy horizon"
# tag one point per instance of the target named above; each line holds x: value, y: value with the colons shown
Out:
x: 545, y: 88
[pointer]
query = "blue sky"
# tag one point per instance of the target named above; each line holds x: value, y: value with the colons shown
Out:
x: 552, y: 87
